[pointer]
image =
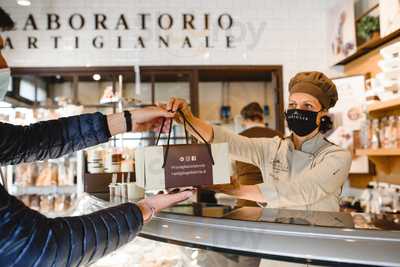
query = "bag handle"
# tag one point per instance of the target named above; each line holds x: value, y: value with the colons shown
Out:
x: 185, y: 121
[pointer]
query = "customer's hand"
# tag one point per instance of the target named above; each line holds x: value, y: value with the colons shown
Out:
x: 149, y: 118
x: 160, y: 202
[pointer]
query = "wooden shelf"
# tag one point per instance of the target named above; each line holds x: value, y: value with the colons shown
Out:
x: 384, y: 107
x: 368, y: 47
x: 44, y: 190
x: 381, y: 152
x: 98, y: 182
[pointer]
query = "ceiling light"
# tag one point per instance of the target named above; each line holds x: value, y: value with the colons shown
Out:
x: 24, y: 2
x: 96, y: 77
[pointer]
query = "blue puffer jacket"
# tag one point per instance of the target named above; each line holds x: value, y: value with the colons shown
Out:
x: 27, y: 238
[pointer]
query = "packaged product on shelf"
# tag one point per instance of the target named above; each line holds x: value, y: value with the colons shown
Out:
x: 66, y: 171
x: 26, y: 200
x: 25, y: 174
x: 398, y: 132
x: 369, y: 135
x: 357, y: 139
x: 112, y: 162
x: 384, y: 133
x: 363, y: 134
x: 375, y: 143
x: 393, y: 132
x: 127, y: 165
x: 95, y: 162
x: 48, y: 174
x: 46, y: 203
x: 62, y: 173
x: 72, y: 171
x: 35, y: 202
x: 59, y: 203
x: 391, y: 51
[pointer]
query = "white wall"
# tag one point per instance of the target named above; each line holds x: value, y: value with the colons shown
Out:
x: 291, y: 33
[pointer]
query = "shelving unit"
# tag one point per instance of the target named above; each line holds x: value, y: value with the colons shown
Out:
x: 386, y: 160
x: 98, y: 182
x: 383, y: 152
x: 18, y: 190
x: 369, y: 46
x: 383, y: 108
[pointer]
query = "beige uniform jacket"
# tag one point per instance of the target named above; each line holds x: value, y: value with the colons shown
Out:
x: 310, y: 178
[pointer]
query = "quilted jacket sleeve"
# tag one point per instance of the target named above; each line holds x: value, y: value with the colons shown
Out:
x: 27, y: 238
x: 51, y: 139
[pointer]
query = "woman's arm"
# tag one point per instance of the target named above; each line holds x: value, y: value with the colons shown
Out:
x: 249, y: 150
x: 248, y: 192
x: 54, y: 138
x: 324, y: 179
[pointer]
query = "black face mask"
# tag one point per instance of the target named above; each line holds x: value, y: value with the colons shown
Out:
x: 301, y: 122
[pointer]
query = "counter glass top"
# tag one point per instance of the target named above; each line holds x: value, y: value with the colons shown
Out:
x: 327, y: 238
x: 348, y: 220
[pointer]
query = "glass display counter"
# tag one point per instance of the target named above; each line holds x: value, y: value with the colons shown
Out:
x: 308, y: 237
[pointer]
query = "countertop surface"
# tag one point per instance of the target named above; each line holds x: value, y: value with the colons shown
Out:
x: 291, y: 235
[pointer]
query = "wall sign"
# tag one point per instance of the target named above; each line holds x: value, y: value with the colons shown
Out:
x: 141, y: 30
x: 52, y: 33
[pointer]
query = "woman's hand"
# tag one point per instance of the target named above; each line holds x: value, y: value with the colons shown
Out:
x: 161, y: 201
x: 203, y: 129
x: 176, y: 104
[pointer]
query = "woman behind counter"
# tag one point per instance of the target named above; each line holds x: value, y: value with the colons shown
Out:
x: 301, y: 171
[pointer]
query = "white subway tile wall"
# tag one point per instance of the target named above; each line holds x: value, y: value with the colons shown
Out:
x: 292, y: 33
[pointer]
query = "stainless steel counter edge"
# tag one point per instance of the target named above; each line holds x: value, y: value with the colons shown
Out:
x: 269, y: 240
x: 335, y: 245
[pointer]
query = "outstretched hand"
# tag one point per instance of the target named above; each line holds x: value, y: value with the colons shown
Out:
x: 149, y: 118
x: 161, y: 201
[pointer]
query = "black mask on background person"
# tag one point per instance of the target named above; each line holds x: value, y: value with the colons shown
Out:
x: 301, y: 122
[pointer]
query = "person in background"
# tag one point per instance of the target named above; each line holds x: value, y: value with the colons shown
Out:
x: 254, y: 125
x: 28, y: 238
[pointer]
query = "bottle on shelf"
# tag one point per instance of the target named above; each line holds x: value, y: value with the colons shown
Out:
x: 385, y: 133
x: 375, y: 144
x: 393, y: 132
x: 95, y: 162
x: 398, y: 132
x: 113, y: 159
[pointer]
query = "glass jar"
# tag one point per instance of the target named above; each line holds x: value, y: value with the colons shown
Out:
x: 385, y: 133
x: 375, y: 134
x: 393, y: 132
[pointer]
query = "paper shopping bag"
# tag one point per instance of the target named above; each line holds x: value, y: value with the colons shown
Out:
x: 170, y: 166
x: 185, y: 165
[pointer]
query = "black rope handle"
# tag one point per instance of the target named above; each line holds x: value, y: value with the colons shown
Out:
x: 169, y: 133
x: 167, y: 149
x: 185, y: 121
x: 202, y: 138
